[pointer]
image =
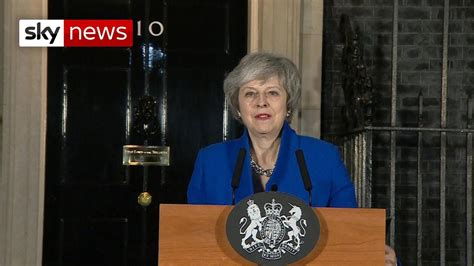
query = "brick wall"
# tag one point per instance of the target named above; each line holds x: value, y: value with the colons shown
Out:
x: 419, y: 70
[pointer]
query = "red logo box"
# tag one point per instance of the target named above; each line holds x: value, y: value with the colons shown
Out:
x: 95, y: 33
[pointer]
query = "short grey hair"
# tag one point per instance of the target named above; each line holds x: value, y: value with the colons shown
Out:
x: 262, y: 66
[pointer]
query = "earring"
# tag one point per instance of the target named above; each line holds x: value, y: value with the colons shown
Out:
x: 288, y: 113
x: 238, y: 113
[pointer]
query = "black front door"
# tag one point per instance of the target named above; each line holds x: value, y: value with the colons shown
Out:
x: 96, y: 99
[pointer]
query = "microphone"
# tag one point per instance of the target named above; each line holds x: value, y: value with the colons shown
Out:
x: 304, y: 173
x: 237, y: 172
x: 274, y: 187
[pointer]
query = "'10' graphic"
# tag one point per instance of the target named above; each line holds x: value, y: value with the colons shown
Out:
x: 85, y: 33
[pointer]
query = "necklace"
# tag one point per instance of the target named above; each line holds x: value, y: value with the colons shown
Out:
x: 259, y: 170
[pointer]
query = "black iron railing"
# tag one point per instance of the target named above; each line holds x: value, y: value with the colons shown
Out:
x: 357, y: 142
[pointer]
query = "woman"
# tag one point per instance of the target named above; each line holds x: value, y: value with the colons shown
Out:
x: 263, y: 91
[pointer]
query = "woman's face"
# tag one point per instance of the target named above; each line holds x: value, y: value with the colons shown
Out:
x: 262, y: 105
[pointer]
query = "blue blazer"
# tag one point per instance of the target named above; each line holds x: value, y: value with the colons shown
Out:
x: 214, y: 166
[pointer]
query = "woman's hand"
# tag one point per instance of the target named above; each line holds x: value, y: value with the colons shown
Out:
x: 390, y: 257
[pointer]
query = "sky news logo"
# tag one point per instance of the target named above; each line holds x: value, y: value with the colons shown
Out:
x: 81, y: 33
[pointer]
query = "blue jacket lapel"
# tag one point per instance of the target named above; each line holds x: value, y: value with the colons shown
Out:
x: 246, y: 186
x: 288, y: 145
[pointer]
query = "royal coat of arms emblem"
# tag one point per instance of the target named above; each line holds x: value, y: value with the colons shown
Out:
x: 273, y: 226
x: 274, y: 233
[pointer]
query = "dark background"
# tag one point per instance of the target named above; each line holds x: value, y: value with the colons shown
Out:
x: 91, y: 212
x: 419, y: 70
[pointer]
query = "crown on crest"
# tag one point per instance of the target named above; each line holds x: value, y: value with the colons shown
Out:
x: 273, y: 209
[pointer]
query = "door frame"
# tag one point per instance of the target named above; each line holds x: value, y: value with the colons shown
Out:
x: 24, y: 138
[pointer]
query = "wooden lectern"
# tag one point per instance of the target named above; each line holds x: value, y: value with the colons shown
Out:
x: 195, y: 235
